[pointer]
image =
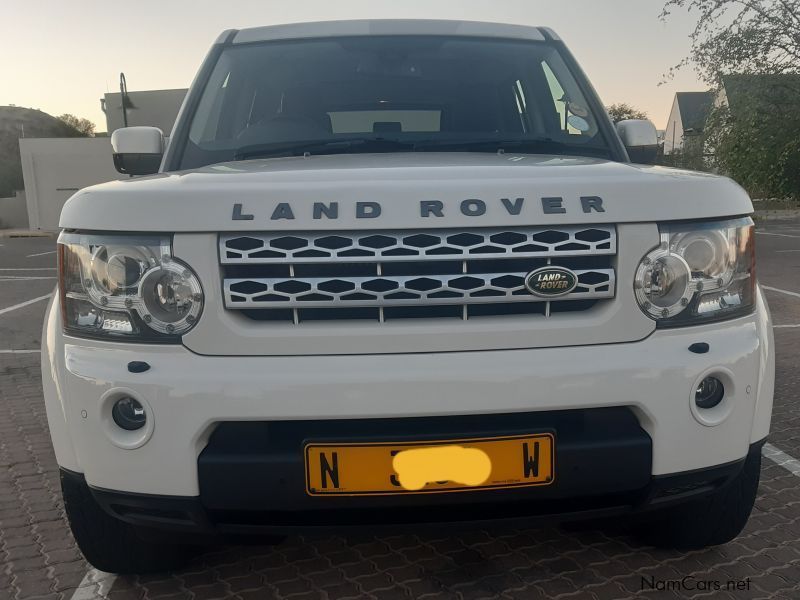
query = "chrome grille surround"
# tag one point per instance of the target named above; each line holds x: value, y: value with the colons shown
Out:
x: 297, y: 273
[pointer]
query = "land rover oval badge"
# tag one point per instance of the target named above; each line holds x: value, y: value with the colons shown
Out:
x: 551, y: 282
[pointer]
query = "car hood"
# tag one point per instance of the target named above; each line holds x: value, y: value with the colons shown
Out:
x: 375, y: 191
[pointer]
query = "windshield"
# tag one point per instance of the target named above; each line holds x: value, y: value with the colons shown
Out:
x: 390, y: 94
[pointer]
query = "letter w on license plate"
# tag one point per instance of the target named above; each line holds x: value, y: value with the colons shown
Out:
x: 429, y: 467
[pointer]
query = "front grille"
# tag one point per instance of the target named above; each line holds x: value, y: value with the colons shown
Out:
x: 412, y: 274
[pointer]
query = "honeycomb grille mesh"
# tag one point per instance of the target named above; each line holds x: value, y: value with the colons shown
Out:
x: 399, y: 291
x: 403, y: 246
x: 378, y: 275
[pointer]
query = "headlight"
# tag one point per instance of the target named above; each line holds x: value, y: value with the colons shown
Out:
x: 126, y: 286
x: 701, y: 272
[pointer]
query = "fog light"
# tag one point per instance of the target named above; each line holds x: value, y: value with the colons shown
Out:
x: 709, y: 393
x: 128, y: 414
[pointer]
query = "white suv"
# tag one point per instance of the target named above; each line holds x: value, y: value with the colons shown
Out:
x: 396, y: 273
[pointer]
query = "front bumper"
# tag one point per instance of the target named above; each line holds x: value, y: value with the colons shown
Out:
x: 187, y: 396
x: 192, y: 516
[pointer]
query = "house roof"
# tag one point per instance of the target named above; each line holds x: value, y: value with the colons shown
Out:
x: 775, y: 89
x: 694, y: 108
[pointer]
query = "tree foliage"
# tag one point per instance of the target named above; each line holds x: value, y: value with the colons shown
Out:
x: 691, y: 156
x: 748, y: 51
x: 756, y: 134
x: 83, y: 126
x: 741, y: 36
x: 622, y: 111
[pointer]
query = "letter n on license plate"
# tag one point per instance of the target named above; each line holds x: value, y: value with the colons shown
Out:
x: 388, y: 468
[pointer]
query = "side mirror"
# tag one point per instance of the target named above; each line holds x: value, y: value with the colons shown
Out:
x: 640, y: 139
x: 137, y: 150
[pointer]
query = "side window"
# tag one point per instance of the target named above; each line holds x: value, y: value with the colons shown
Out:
x: 557, y: 93
x: 573, y: 113
x: 522, y: 107
x: 206, y: 123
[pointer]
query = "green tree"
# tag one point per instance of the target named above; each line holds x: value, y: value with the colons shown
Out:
x: 622, y: 111
x: 748, y: 51
x: 691, y: 157
x: 741, y: 36
x: 84, y: 126
x: 755, y: 134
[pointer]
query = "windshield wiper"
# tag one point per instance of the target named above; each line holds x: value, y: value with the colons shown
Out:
x: 361, y: 144
x: 326, y: 146
x: 521, y: 146
x: 535, y: 145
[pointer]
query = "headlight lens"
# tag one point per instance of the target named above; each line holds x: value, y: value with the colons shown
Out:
x: 701, y: 272
x: 126, y: 286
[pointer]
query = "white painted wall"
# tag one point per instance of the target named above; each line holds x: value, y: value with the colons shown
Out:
x: 156, y: 108
x: 55, y: 168
x: 14, y: 212
x: 673, y: 137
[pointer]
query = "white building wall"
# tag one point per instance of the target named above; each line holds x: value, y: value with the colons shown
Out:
x: 673, y: 136
x: 56, y: 168
x: 156, y: 108
x: 13, y: 212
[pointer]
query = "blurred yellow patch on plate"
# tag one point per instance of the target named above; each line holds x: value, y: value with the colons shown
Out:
x: 386, y: 468
x: 467, y: 466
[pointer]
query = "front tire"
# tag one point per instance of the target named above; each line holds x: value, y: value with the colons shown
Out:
x: 709, y: 521
x: 112, y: 545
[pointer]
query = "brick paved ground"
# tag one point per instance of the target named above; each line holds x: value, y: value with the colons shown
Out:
x: 38, y: 558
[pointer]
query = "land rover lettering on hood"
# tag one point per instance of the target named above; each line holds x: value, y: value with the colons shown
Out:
x: 472, y: 207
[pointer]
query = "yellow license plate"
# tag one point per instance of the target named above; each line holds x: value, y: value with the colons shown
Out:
x: 366, y: 469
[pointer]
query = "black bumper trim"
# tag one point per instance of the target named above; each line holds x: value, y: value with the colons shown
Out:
x: 258, y: 467
x: 190, y: 515
x: 187, y: 514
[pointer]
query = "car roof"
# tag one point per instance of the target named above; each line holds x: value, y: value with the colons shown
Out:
x: 323, y: 29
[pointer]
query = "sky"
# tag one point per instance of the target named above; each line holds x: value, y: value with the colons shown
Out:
x: 61, y: 56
